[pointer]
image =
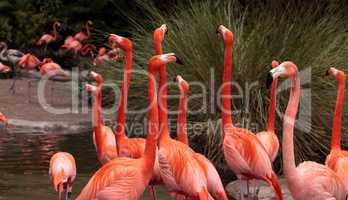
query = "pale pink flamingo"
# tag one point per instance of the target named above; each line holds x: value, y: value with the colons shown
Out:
x: 268, y: 138
x: 63, y: 172
x: 309, y: 180
x: 129, y: 147
x: 81, y: 36
x: 337, y: 160
x: 103, y: 137
x: 123, y: 177
x: 49, y: 38
x: 244, y: 153
x: 214, y: 184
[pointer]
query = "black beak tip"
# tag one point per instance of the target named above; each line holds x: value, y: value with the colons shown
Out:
x: 174, y: 79
x: 179, y: 61
x: 269, y: 80
x: 166, y: 31
x: 327, y: 72
x: 217, y: 30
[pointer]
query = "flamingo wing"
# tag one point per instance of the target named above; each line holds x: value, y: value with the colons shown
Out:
x: 119, y: 179
x: 270, y: 142
x: 320, y: 182
x: 245, y: 154
x: 132, y: 147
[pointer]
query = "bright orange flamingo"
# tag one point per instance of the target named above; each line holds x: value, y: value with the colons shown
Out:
x: 268, y: 138
x: 81, y: 36
x: 4, y: 68
x: 63, y: 172
x: 309, y: 180
x: 244, y: 153
x: 129, y: 147
x: 103, y: 137
x: 126, y: 178
x: 52, y: 69
x: 214, y: 184
x: 176, y: 159
x: 337, y: 160
x: 48, y: 38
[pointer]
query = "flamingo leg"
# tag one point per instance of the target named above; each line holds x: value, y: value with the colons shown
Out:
x: 12, y: 88
x: 152, y: 191
x: 241, y: 189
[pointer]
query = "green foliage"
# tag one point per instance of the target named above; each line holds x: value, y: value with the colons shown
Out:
x: 313, y: 37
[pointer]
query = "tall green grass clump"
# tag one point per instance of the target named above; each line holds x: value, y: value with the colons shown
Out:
x: 313, y: 37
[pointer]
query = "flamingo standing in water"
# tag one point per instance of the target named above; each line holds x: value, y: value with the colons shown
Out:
x: 123, y: 177
x: 48, y: 38
x: 81, y: 36
x: 129, y: 147
x: 103, y: 137
x: 337, y: 160
x: 244, y: 153
x: 268, y: 138
x: 214, y: 184
x: 63, y: 172
x: 309, y: 180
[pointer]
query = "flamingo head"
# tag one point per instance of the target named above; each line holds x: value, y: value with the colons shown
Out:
x: 284, y: 70
x: 227, y: 35
x: 57, y: 25
x: 338, y: 74
x: 91, y: 88
x: 97, y: 77
x: 120, y: 42
x: 3, y: 119
x: 162, y: 59
x: 274, y: 63
x: 183, y: 85
x: 160, y: 33
x: 89, y: 23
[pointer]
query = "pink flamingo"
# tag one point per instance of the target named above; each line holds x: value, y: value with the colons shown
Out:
x: 337, y: 160
x: 81, y: 36
x: 123, y: 177
x: 48, y: 38
x: 52, y: 69
x: 244, y: 153
x: 103, y: 55
x: 4, y: 68
x: 103, y: 137
x: 74, y: 45
x: 268, y: 138
x: 214, y: 184
x: 63, y: 172
x: 309, y: 180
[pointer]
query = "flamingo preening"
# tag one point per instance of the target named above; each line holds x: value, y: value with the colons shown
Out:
x: 214, y: 184
x: 268, y: 138
x: 103, y: 137
x: 337, y: 160
x: 48, y: 38
x: 123, y: 177
x: 244, y: 153
x: 309, y: 180
x: 81, y: 36
x: 62, y: 170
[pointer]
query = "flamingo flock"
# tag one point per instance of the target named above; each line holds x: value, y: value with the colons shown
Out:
x: 130, y: 165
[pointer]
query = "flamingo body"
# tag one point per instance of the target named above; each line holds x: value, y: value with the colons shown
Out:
x: 337, y: 160
x: 4, y: 68
x: 29, y: 62
x: 63, y: 171
x: 52, y: 69
x: 270, y: 142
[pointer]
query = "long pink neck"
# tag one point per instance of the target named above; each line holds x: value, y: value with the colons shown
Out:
x: 55, y: 31
x: 121, y: 114
x: 163, y: 90
x: 337, y: 121
x: 288, y: 130
x: 182, y: 119
x: 97, y: 109
x: 226, y: 90
x: 152, y: 132
x: 87, y: 30
x: 272, y: 106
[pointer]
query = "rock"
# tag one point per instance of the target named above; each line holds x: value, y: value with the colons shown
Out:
x: 265, y: 192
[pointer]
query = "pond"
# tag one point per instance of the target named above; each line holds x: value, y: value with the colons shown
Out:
x: 24, y: 161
